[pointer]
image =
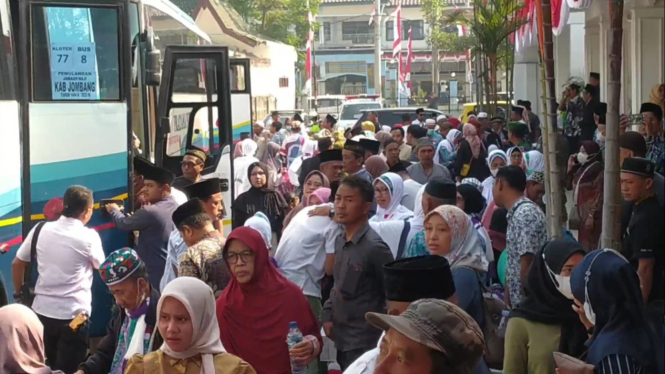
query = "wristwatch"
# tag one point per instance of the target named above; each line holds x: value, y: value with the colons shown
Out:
x: 332, y: 213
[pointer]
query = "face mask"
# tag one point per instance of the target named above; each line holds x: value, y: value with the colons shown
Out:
x: 590, y: 315
x: 582, y: 157
x: 288, y: 128
x: 494, y: 172
x: 561, y: 283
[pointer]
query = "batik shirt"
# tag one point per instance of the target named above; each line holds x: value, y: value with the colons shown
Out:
x: 526, y: 234
x: 656, y: 152
x: 204, y: 261
x: 574, y: 115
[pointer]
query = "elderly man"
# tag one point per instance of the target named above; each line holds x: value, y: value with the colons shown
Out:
x: 423, y: 171
x: 192, y: 167
x: 431, y: 336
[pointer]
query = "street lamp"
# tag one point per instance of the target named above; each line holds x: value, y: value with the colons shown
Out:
x: 452, y: 74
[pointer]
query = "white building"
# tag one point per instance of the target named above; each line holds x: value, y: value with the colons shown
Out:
x: 344, y: 51
x: 583, y: 47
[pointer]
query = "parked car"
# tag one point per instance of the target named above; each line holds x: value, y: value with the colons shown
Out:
x: 352, y: 110
x: 393, y: 116
x: 288, y: 113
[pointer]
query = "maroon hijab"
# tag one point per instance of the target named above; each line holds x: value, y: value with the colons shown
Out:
x: 254, y: 317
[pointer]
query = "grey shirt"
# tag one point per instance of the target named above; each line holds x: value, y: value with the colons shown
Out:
x: 154, y: 224
x: 418, y: 174
x: 358, y: 289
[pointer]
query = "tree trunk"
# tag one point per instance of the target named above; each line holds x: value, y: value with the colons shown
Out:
x: 493, y: 80
x: 488, y: 84
x: 556, y: 189
x: 611, y: 235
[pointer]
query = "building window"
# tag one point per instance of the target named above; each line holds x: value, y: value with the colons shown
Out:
x: 389, y: 31
x: 327, y: 32
x: 357, y: 32
x: 418, y: 30
x: 283, y: 82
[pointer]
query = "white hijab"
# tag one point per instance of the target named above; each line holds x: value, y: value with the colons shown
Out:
x: 198, y: 299
x: 308, y: 149
x: 534, y: 161
x: 395, y: 209
x: 260, y: 223
x: 248, y: 148
x: 466, y: 248
x: 488, y: 183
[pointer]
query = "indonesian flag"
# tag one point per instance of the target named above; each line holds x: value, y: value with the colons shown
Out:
x: 396, y: 15
x: 308, y: 57
x: 409, y: 59
x: 371, y: 15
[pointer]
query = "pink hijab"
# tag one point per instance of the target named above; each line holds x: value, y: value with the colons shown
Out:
x: 21, y: 341
x: 471, y: 135
x: 323, y: 194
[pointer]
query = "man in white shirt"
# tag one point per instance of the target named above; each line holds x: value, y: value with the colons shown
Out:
x: 67, y: 253
x: 406, y: 281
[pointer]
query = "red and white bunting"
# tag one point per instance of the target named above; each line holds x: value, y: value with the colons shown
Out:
x: 409, y: 59
x: 308, y: 57
x: 396, y: 16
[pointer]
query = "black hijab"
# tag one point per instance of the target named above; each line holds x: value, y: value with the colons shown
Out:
x: 545, y: 304
x: 264, y: 199
x: 474, y: 202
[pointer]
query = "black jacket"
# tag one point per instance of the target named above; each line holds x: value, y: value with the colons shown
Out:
x: 100, y: 362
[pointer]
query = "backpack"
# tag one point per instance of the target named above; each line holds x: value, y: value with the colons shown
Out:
x: 494, y: 342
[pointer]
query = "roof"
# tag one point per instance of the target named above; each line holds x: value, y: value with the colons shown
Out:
x: 405, y: 3
x: 187, y: 6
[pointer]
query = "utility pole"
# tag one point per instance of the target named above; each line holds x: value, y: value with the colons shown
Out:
x: 377, y: 48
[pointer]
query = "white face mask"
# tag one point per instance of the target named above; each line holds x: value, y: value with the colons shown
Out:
x: 582, y: 157
x: 561, y: 283
x: 590, y: 315
x: 494, y: 172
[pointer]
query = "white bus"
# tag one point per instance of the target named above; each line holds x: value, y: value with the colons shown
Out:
x: 77, y: 79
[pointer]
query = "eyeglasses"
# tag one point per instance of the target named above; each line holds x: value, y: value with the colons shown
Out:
x: 232, y: 258
x: 189, y: 164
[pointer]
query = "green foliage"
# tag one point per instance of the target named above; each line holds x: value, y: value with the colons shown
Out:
x: 433, y: 13
x: 285, y: 21
x: 494, y: 23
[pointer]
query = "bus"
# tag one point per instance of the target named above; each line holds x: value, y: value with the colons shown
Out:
x: 79, y: 81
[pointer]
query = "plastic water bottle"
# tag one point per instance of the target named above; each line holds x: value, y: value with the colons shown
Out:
x: 293, y: 338
x: 503, y: 325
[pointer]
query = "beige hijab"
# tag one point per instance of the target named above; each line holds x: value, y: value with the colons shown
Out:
x: 21, y: 341
x: 654, y: 97
x: 198, y: 299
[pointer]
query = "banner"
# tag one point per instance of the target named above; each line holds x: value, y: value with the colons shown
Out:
x: 74, y: 71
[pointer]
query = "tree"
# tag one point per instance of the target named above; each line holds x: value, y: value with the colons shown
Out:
x: 611, y: 234
x: 555, y: 191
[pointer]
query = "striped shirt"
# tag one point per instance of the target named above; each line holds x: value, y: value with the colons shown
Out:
x: 619, y: 364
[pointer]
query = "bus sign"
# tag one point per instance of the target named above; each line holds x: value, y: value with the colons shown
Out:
x: 74, y: 71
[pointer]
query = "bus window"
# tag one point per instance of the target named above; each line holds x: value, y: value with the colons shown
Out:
x: 75, y: 54
x: 237, y: 78
x: 7, y: 76
x: 189, y: 81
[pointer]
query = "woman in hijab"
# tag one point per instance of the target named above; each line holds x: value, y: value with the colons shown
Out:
x: 261, y: 223
x: 313, y: 182
x: 241, y: 163
x: 585, y: 178
x: 496, y: 160
x: 545, y: 322
x: 389, y: 190
x: 446, y: 150
x: 449, y: 233
x: 657, y: 96
x: 375, y: 166
x: 383, y: 137
x: 261, y: 197
x: 472, y: 202
x: 534, y: 161
x: 21, y: 341
x: 470, y: 159
x: 256, y: 308
x: 516, y: 157
x: 187, y: 322
x: 271, y: 159
x: 609, y: 303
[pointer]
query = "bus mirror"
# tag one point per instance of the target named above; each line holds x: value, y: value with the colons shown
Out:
x: 153, y: 68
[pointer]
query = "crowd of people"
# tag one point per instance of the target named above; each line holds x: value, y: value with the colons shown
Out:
x: 419, y: 247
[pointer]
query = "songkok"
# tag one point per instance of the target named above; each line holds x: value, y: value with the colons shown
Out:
x: 141, y: 165
x: 537, y: 177
x: 517, y: 126
x: 518, y: 109
x: 204, y: 189
x: 331, y: 155
x: 423, y: 277
x: 186, y: 210
x: 198, y: 153
x: 441, y: 188
x: 633, y: 141
x: 594, y: 75
x: 482, y: 115
x: 600, y: 109
x: 297, y: 117
x: 119, y: 265
x: 652, y: 108
x: 370, y: 145
x: 332, y: 120
x: 354, y: 146
x: 158, y: 175
x: 424, y: 142
x: 638, y: 166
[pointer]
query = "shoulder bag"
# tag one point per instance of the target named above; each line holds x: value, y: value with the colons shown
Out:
x: 27, y: 290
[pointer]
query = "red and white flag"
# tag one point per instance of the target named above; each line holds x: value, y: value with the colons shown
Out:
x: 308, y: 57
x: 396, y: 16
x: 409, y: 59
x: 371, y: 15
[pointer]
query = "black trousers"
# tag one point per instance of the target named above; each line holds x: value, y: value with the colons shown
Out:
x: 65, y: 349
x: 346, y: 358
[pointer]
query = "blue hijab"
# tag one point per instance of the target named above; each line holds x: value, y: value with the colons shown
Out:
x: 621, y: 326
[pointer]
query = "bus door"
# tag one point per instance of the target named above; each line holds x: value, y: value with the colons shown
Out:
x: 194, y: 110
x: 75, y: 79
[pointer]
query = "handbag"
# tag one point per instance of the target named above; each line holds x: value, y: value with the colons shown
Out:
x: 27, y: 291
x: 570, y: 365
